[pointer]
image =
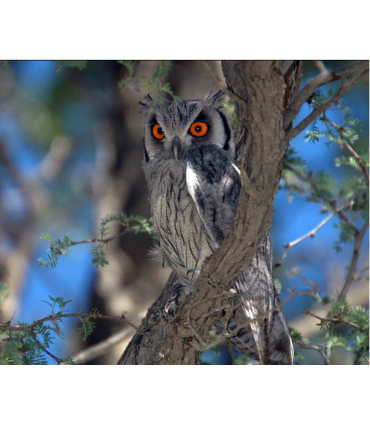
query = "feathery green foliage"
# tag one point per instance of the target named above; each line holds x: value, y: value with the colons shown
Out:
x: 87, y: 326
x: 60, y: 247
x: 130, y: 223
x: 75, y: 64
x: 343, y: 325
x: 57, y: 248
x: 31, y: 345
x: 150, y: 84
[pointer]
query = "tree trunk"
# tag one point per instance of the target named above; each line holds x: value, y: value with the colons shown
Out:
x: 261, y: 91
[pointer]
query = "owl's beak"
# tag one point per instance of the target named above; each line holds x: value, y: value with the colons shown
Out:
x: 176, y: 147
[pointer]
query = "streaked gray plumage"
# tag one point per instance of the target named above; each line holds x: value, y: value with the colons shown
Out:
x: 194, y: 188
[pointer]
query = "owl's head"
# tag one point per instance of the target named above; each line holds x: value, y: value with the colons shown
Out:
x: 171, y: 130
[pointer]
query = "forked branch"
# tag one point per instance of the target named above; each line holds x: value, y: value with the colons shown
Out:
x: 323, y: 78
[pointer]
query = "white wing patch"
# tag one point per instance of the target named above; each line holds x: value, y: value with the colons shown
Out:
x: 192, y: 181
x: 236, y: 168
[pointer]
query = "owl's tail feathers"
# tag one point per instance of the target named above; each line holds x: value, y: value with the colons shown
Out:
x: 281, y: 349
x: 266, y: 341
x: 261, y: 307
x: 271, y: 334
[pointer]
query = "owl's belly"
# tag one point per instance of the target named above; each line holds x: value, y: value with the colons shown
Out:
x: 183, y: 238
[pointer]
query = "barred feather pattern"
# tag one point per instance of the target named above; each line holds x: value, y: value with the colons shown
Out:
x: 183, y: 238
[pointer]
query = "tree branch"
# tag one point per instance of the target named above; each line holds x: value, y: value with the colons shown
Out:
x: 202, y: 345
x: 254, y: 213
x: 355, y: 256
x: 323, y: 78
x: 359, y: 295
x: 320, y: 349
x: 100, y: 240
x: 220, y: 84
x: 353, y: 153
x: 334, y: 320
x: 345, y: 87
x: 310, y: 234
x: 51, y: 318
x: 103, y: 347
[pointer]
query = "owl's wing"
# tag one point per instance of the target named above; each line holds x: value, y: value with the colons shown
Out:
x: 267, y: 337
x: 214, y: 184
x: 261, y: 304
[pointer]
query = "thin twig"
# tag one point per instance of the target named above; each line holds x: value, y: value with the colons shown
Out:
x: 92, y: 240
x: 101, y: 240
x: 320, y: 349
x: 353, y: 153
x: 311, y: 234
x: 345, y: 87
x: 352, y: 267
x: 358, y: 274
x: 218, y: 82
x: 221, y: 85
x: 333, y: 320
x: 332, y: 203
x: 62, y: 316
x: 358, y: 159
x: 58, y: 360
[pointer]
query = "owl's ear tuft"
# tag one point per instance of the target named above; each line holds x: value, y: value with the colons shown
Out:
x: 214, y: 99
x: 145, y: 104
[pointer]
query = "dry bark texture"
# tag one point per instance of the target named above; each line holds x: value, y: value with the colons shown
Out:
x: 262, y: 91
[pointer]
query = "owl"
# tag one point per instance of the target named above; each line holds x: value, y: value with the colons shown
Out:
x: 194, y: 185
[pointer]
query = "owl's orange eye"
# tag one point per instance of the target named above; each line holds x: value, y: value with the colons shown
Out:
x: 199, y: 129
x: 157, y: 132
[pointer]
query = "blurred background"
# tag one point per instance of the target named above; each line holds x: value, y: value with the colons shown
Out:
x: 70, y: 154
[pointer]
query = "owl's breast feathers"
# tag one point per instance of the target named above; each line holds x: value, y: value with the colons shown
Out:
x: 193, y: 204
x: 183, y: 239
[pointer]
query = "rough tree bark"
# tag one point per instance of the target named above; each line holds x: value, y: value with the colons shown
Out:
x: 262, y: 92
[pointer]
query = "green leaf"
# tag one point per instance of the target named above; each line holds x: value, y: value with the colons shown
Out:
x: 57, y: 248
x: 164, y: 67
x: 99, y: 257
x: 296, y: 335
x: 75, y: 64
x: 86, y: 329
x: 69, y: 361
